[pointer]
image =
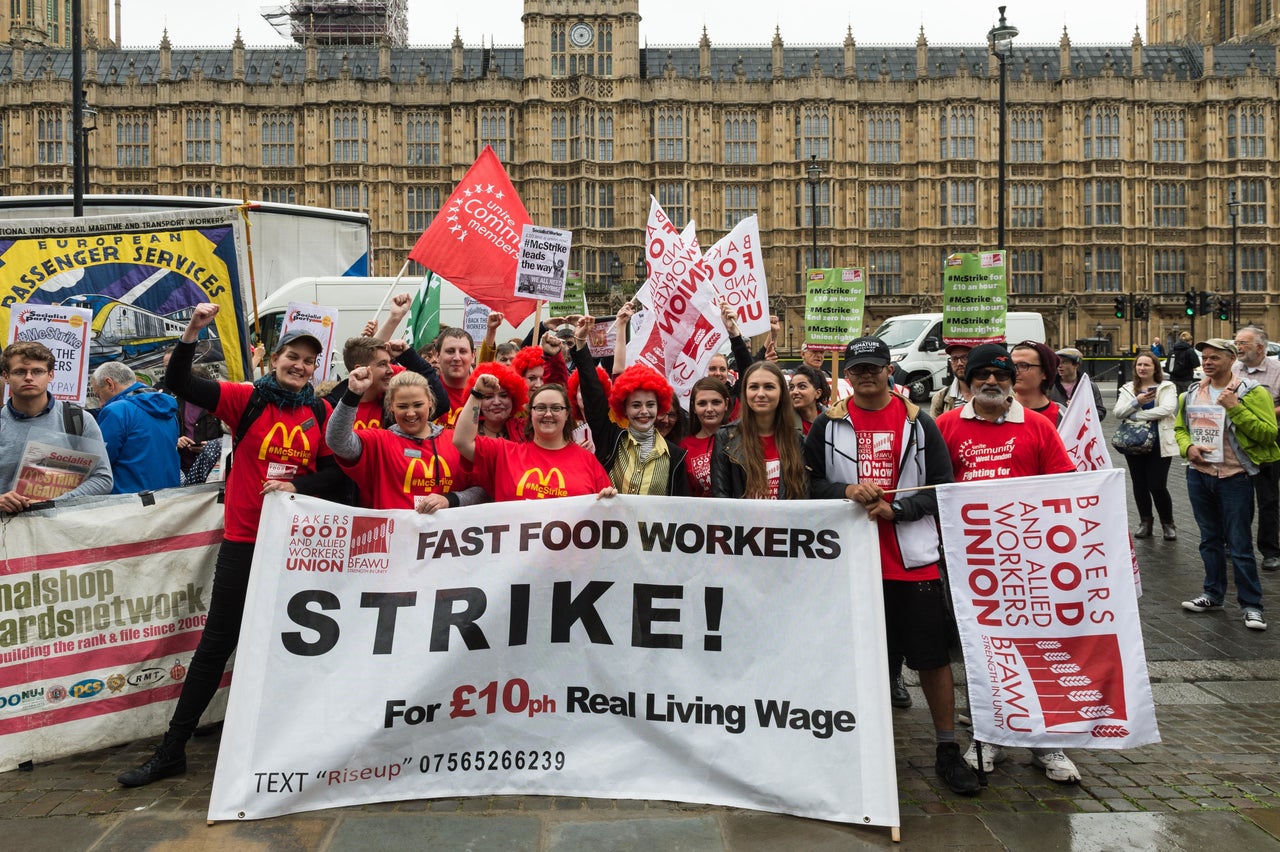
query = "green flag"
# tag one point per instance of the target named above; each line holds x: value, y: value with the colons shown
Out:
x: 424, y: 312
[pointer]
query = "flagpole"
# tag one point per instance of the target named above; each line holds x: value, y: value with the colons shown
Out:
x: 391, y: 290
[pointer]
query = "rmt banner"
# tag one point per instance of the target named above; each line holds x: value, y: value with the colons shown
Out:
x: 1042, y: 583
x: 632, y: 648
x: 101, y: 607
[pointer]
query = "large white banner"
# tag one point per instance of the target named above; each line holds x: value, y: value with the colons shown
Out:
x: 634, y: 648
x: 1042, y: 584
x: 100, y: 608
x: 738, y: 276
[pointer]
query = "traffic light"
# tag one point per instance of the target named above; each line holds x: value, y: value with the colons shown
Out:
x: 1189, y: 303
x: 1141, y: 309
x: 1120, y: 300
x: 1224, y: 309
x: 1206, y: 303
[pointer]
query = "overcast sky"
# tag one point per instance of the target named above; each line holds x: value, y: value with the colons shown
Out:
x: 669, y: 22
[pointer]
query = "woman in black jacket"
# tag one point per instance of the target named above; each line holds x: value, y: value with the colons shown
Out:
x: 761, y: 456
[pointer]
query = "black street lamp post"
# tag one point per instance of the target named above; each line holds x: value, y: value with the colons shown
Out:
x: 1233, y: 208
x: 1000, y: 38
x: 814, y: 173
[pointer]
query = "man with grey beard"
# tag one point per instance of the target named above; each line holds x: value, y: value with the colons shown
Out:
x: 1252, y: 363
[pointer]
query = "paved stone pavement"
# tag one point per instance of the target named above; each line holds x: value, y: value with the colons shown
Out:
x: 1214, y: 781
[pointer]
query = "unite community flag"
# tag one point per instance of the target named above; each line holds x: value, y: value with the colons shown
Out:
x: 474, y: 242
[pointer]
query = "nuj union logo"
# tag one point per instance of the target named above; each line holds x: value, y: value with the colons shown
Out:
x: 539, y: 484
x: 431, y: 472
x: 285, y: 451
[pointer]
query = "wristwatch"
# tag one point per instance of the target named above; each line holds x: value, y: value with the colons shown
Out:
x: 896, y: 506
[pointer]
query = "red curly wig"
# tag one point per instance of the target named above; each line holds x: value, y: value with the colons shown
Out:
x: 638, y: 377
x: 509, y: 380
x: 528, y: 358
x: 574, y: 384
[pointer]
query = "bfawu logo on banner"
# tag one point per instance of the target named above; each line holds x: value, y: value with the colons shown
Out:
x: 1041, y: 581
x: 623, y: 648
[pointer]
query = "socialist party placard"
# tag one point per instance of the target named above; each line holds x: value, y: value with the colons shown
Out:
x: 636, y: 648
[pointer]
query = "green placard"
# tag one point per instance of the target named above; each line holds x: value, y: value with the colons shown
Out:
x: 975, y: 298
x: 574, y: 297
x: 833, y: 305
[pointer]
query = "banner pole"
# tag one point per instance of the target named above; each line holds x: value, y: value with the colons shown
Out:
x: 387, y: 297
x: 253, y: 284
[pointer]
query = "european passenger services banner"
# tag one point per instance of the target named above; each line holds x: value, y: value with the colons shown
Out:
x: 1042, y: 585
x: 101, y: 606
x: 715, y: 651
x: 140, y: 275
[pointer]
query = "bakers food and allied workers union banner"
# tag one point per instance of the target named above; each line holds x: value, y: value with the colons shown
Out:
x: 140, y: 275
x: 1042, y: 584
x: 975, y: 298
x: 98, y: 622
x: 635, y: 648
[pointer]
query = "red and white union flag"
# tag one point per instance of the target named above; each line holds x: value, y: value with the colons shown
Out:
x: 474, y: 242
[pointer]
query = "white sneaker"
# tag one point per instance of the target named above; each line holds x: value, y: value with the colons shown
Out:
x: 991, y: 755
x: 1056, y: 765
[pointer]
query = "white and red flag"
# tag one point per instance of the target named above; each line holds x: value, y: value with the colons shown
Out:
x: 738, y: 276
x: 474, y: 242
x: 682, y: 329
x: 1041, y: 581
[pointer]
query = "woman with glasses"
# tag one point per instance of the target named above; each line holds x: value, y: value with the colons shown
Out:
x: 502, y: 414
x: 761, y: 456
x: 546, y: 464
x: 1037, y: 367
x: 1152, y: 400
x: 709, y: 409
x: 956, y: 394
x: 638, y: 458
x: 412, y: 464
x: 810, y: 393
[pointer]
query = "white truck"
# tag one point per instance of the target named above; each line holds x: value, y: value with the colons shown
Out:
x: 919, y: 357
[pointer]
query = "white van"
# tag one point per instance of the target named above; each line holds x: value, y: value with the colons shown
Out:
x: 356, y: 299
x: 915, y: 341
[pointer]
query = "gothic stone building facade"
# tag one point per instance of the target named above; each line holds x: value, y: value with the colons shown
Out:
x: 1121, y: 159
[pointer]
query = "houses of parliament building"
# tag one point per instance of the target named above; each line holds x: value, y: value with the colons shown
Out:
x: 1122, y: 159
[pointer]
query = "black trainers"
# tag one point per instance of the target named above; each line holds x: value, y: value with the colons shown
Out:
x: 170, y: 759
x: 954, y: 772
x: 898, y: 695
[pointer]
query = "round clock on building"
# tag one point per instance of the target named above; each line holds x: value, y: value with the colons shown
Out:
x: 581, y: 35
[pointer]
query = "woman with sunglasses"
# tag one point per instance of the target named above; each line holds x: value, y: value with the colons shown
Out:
x: 638, y: 458
x: 761, y: 456
x: 546, y: 464
x: 412, y: 464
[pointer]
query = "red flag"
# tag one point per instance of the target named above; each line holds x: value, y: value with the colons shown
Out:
x: 474, y: 242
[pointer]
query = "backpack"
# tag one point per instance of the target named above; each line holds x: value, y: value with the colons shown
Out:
x: 72, y: 419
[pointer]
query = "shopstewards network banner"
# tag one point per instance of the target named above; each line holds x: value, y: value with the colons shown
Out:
x: 140, y: 275
x: 626, y: 648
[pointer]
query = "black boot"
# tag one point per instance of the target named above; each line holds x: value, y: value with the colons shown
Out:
x: 170, y: 759
x: 898, y: 695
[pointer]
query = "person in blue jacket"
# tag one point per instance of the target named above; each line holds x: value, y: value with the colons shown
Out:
x: 140, y: 427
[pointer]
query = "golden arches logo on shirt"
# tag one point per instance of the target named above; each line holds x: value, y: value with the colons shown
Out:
x: 434, y: 473
x: 285, y: 450
x: 539, y: 484
x: 371, y: 423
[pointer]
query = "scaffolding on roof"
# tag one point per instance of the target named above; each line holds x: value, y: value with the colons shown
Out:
x: 342, y: 21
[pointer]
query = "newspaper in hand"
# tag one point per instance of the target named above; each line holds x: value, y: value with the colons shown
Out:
x: 1206, y: 424
x: 47, y: 471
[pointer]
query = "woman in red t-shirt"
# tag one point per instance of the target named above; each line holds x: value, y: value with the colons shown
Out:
x: 708, y: 410
x: 413, y: 463
x: 810, y: 394
x: 547, y: 464
x: 761, y: 455
x: 282, y: 448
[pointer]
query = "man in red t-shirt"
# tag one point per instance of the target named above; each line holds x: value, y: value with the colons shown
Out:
x: 877, y: 441
x: 457, y: 355
x: 994, y: 437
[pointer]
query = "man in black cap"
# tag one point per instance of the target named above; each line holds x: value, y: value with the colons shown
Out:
x: 860, y: 448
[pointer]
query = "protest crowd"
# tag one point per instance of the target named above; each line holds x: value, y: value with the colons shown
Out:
x: 461, y: 427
